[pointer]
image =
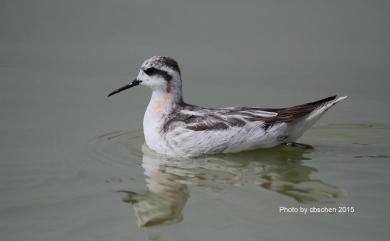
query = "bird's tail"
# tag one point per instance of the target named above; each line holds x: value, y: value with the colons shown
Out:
x: 322, y: 108
x: 318, y: 109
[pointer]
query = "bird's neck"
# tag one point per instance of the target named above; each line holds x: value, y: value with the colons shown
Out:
x: 163, y: 103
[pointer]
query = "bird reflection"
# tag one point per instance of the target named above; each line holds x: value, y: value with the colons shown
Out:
x: 165, y: 198
x: 279, y: 169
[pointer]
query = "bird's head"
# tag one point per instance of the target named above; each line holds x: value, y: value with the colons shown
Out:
x: 159, y: 73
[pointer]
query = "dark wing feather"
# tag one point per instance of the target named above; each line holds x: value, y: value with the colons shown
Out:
x: 293, y: 113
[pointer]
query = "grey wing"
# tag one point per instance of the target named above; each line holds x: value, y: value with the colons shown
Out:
x: 211, y: 119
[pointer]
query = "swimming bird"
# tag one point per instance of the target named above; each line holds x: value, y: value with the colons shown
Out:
x: 175, y: 128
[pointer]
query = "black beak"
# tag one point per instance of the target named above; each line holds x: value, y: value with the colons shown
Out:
x: 128, y: 86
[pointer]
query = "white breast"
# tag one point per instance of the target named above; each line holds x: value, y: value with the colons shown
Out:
x: 153, y: 121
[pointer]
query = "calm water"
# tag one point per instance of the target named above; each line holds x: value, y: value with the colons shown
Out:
x: 73, y: 165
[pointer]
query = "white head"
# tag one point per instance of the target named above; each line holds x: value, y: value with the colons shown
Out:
x: 159, y: 73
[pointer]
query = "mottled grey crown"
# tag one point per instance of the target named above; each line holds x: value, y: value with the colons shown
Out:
x: 162, y: 61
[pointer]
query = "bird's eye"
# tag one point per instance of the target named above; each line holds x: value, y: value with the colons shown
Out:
x: 150, y: 71
x: 153, y: 71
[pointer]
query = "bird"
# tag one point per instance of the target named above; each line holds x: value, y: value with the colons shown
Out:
x: 175, y: 128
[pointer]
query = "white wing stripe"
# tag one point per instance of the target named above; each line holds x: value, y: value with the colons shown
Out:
x: 261, y: 113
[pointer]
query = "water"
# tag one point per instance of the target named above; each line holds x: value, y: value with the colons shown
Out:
x: 73, y: 165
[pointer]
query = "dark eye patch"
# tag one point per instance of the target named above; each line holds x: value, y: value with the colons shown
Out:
x: 153, y: 71
x: 150, y: 71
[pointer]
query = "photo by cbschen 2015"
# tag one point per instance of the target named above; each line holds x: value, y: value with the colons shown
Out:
x: 283, y: 162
